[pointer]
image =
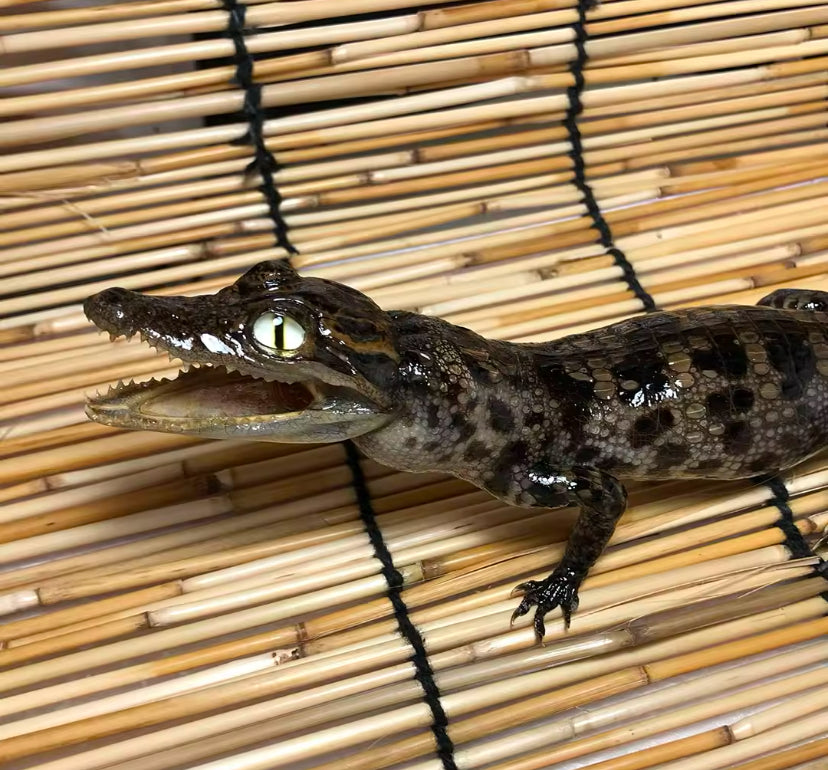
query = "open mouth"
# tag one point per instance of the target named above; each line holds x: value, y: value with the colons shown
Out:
x: 203, y: 392
x: 215, y: 402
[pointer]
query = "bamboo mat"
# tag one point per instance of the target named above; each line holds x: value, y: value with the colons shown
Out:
x: 527, y: 168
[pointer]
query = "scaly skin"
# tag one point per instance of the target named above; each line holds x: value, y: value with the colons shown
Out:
x: 714, y: 392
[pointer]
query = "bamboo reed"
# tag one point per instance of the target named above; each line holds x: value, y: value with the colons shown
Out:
x: 236, y: 587
x: 813, y: 750
x: 368, y: 727
x: 787, y: 194
x: 202, y: 699
x: 499, y: 721
x: 161, y: 595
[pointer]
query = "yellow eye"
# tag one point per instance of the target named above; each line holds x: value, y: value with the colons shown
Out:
x: 278, y: 332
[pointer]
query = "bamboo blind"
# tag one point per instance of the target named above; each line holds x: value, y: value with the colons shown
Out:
x: 527, y: 168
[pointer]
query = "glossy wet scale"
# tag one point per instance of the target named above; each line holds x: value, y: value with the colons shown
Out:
x: 711, y: 393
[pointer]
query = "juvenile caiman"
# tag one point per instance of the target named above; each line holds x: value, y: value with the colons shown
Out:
x: 721, y: 392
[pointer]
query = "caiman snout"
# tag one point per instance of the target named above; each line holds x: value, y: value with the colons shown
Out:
x: 107, y: 309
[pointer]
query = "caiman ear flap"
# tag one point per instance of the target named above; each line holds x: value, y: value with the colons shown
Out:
x: 268, y: 276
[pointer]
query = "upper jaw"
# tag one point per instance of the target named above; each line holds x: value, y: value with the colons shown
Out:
x: 178, y: 327
x: 192, y: 329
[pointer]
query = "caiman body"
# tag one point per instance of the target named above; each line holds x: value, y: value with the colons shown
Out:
x: 714, y: 392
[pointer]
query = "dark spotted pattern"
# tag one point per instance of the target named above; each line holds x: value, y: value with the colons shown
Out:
x: 765, y: 463
x: 572, y: 396
x: 465, y: 429
x: 500, y: 416
x: 725, y: 356
x: 792, y: 356
x: 433, y: 415
x: 671, y: 455
x: 719, y: 406
x: 789, y: 441
x: 476, y: 451
x: 649, y: 427
x: 500, y: 480
x: 586, y: 454
x: 535, y: 420
x: 433, y: 447
x: 737, y: 438
x: 742, y: 400
x: 642, y: 383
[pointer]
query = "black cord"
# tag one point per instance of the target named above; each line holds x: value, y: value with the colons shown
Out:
x: 579, y: 167
x: 794, y: 540
x: 263, y: 161
x: 424, y: 674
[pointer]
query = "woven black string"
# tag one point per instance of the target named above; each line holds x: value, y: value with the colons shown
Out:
x: 265, y: 164
x: 579, y: 167
x: 423, y: 671
x: 794, y: 541
x: 263, y: 161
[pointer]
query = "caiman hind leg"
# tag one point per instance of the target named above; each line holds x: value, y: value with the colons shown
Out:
x: 601, y: 498
x: 797, y: 299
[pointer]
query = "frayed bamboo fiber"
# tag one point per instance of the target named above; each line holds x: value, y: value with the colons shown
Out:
x: 170, y: 602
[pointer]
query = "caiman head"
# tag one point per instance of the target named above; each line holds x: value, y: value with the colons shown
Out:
x: 274, y: 357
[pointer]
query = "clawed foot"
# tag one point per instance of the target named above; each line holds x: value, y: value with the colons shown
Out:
x: 558, y: 590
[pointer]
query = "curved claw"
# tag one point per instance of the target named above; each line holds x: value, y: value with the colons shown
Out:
x: 524, y: 588
x: 520, y: 611
x: 558, y: 590
x: 540, y: 627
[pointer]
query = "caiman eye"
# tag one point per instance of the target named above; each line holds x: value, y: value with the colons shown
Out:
x: 278, y: 332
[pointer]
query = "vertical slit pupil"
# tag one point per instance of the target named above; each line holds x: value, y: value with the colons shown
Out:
x: 278, y: 332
